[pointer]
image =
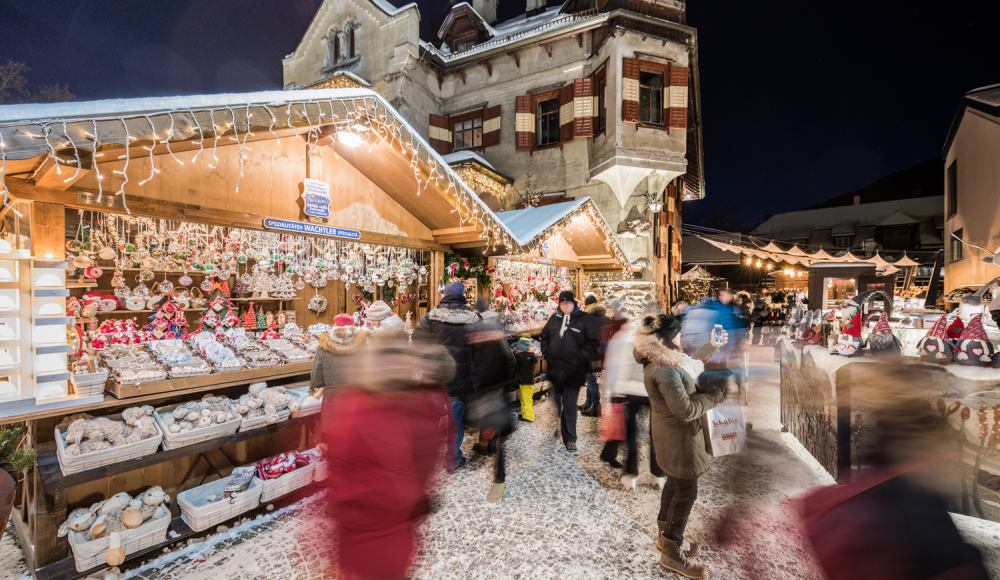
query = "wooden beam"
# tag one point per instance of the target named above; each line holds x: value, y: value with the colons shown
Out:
x: 469, y: 245
x: 579, y: 40
x: 469, y: 235
x: 461, y: 71
x: 548, y: 48
x: 145, y: 207
x: 489, y: 65
x: 59, y: 175
x: 517, y: 57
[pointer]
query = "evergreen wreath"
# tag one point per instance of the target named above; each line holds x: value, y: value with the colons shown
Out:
x: 466, y: 269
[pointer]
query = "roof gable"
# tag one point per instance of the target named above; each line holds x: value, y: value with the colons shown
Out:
x: 898, y: 219
x: 454, y: 17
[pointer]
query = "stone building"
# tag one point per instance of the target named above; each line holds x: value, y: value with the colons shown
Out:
x: 595, y: 98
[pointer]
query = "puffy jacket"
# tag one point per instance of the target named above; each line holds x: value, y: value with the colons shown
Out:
x: 622, y: 374
x: 603, y: 325
x: 525, y: 367
x: 569, y: 356
x: 333, y: 366
x: 495, y: 367
x: 450, y: 324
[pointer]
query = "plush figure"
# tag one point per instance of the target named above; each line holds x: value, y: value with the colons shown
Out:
x: 974, y: 347
x: 935, y: 347
x: 849, y: 342
x: 154, y: 496
x: 955, y: 329
x: 881, y: 341
x: 854, y: 305
x: 814, y: 334
x: 140, y: 420
x: 275, y: 399
x: 79, y: 520
x: 119, y: 501
x: 113, y: 521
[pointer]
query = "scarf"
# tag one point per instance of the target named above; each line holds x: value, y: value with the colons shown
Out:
x: 565, y: 325
x: 693, y: 367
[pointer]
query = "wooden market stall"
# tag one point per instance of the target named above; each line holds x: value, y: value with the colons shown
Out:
x: 223, y: 163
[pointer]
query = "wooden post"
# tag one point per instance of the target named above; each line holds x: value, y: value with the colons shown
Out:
x: 579, y: 285
x: 434, y: 278
x: 48, y: 230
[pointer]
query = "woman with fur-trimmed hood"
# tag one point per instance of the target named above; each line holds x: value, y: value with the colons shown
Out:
x: 331, y: 366
x: 680, y: 433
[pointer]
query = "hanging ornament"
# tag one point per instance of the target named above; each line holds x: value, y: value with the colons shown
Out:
x: 317, y: 304
x: 206, y: 285
x: 185, y: 280
x: 166, y: 286
x: 106, y: 253
x: 141, y: 290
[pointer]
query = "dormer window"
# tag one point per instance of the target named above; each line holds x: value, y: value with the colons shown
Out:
x: 464, y: 43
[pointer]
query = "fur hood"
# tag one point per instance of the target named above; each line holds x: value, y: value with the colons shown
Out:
x: 650, y: 350
x: 453, y: 315
x: 342, y: 339
x: 597, y: 309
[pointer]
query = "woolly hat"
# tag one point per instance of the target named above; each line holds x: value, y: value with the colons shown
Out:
x: 343, y: 320
x: 853, y: 327
x: 378, y: 311
x: 939, y: 329
x: 454, y: 289
x: 882, y: 326
x: 974, y: 330
x: 567, y: 296
x: 662, y: 326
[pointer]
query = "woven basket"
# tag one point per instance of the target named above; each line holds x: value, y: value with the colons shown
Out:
x: 175, y: 440
x: 91, y: 554
x: 204, y: 517
x: 83, y: 462
x: 287, y: 483
x: 262, y: 420
x: 301, y: 394
x: 322, y: 470
x: 88, y: 390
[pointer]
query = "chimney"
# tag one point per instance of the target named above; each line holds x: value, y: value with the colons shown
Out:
x: 857, y: 200
x: 487, y: 9
x: 535, y: 7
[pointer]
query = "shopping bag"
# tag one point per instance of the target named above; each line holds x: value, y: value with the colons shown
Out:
x: 727, y: 429
x: 611, y: 423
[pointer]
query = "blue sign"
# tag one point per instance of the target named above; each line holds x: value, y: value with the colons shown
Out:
x: 545, y: 248
x: 316, y: 195
x: 312, y: 229
x: 544, y: 260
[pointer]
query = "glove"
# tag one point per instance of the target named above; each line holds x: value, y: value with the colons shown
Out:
x: 719, y: 397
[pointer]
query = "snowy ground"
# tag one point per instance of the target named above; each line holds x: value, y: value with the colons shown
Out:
x: 565, y: 516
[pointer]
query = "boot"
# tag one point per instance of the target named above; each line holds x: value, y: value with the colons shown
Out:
x: 693, y: 548
x: 675, y: 560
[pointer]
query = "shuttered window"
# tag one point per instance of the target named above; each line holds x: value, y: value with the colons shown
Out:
x: 547, y: 113
x: 630, y: 90
x: 491, y: 126
x: 524, y: 124
x: 583, y: 107
x: 439, y: 134
x: 677, y: 99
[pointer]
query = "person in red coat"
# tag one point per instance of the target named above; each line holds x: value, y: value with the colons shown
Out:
x: 383, y: 446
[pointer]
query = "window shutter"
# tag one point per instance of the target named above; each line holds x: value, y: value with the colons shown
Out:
x: 491, y: 126
x: 630, y: 90
x: 566, y: 113
x: 677, y: 98
x: 439, y: 134
x: 583, y: 107
x: 676, y: 251
x: 524, y: 124
x: 664, y: 237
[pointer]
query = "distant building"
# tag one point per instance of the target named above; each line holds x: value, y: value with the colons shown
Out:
x: 596, y: 98
x: 972, y: 189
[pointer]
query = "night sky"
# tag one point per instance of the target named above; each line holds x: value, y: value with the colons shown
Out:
x: 801, y: 100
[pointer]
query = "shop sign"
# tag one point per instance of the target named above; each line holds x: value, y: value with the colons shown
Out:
x: 544, y: 260
x: 545, y: 248
x: 316, y: 195
x: 313, y: 229
x: 109, y: 200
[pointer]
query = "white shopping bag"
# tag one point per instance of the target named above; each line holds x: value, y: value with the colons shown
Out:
x: 728, y: 429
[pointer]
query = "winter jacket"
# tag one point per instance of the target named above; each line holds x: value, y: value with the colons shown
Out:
x: 525, y: 366
x: 450, y: 324
x: 332, y: 365
x: 680, y: 430
x: 622, y: 374
x: 603, y: 325
x: 569, y: 356
x: 495, y: 366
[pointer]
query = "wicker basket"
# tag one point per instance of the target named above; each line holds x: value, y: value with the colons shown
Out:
x: 205, y: 516
x: 83, y: 462
x: 287, y: 483
x: 301, y: 394
x: 91, y: 554
x: 175, y: 440
x: 261, y: 421
x: 322, y: 470
x: 88, y: 390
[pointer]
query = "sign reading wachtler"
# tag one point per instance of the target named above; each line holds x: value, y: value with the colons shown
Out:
x: 314, y: 229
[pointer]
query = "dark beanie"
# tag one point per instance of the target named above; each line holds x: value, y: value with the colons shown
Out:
x: 567, y: 296
x: 662, y: 326
x: 590, y: 300
x: 454, y: 289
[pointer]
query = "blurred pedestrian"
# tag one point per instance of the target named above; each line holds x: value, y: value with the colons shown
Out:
x: 524, y: 356
x: 678, y: 307
x: 569, y: 342
x: 384, y: 443
x: 450, y: 323
x: 592, y: 404
x: 680, y: 435
x: 698, y: 326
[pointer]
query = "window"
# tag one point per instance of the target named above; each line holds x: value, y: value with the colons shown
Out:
x: 465, y: 43
x: 336, y: 48
x: 467, y: 134
x: 842, y: 242
x: 548, y: 122
x: 602, y: 113
x: 651, y: 98
x: 956, y: 245
x: 350, y: 40
x: 951, y: 189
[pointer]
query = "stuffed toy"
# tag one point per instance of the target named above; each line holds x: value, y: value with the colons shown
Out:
x: 849, y: 342
x: 935, y: 347
x: 881, y: 341
x: 974, y: 347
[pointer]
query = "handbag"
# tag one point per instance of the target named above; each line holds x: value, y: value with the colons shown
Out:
x: 611, y: 423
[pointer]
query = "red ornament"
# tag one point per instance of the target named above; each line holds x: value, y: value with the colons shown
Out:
x: 250, y: 319
x: 224, y: 288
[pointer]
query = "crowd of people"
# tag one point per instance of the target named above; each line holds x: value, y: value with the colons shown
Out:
x: 394, y: 403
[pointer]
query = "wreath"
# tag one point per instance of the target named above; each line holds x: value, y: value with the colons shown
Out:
x: 387, y: 293
x: 459, y: 268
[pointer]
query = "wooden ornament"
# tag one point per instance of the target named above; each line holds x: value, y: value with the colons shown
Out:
x: 132, y: 518
x: 115, y: 555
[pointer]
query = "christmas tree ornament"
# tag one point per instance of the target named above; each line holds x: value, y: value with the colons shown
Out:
x: 261, y: 321
x: 206, y: 285
x: 166, y: 286
x: 224, y: 287
x: 269, y: 321
x: 317, y: 304
x: 249, y: 319
x: 106, y: 253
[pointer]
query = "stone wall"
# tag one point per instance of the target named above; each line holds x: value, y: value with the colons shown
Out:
x: 634, y: 296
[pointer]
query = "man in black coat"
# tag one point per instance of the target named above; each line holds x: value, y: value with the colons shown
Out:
x: 451, y: 323
x: 569, y: 343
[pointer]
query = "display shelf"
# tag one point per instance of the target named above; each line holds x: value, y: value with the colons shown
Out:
x: 10, y: 314
x: 52, y: 377
x: 91, y: 284
x: 141, y: 311
x: 229, y: 379
x: 50, y: 264
x: 50, y: 348
x: 263, y: 299
x: 54, y: 321
x: 50, y: 292
x: 10, y: 285
x: 52, y: 478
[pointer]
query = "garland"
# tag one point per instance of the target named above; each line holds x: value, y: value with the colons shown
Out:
x: 459, y: 268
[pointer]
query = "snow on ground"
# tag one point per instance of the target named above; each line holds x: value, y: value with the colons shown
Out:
x: 565, y: 516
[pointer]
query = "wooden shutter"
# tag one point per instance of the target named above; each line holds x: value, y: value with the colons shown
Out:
x: 566, y: 117
x: 664, y: 237
x: 676, y: 251
x: 439, y: 134
x: 524, y: 124
x: 630, y: 90
x: 583, y: 107
x: 491, y: 126
x: 677, y: 98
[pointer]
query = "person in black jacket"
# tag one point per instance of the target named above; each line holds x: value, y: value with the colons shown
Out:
x: 450, y: 323
x: 569, y: 343
x: 525, y: 357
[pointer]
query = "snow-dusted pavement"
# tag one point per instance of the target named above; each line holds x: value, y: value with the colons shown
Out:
x: 565, y: 516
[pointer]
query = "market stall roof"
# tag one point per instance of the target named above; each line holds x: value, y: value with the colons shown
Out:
x: 462, y: 158
x: 146, y: 131
x: 904, y: 260
x: 697, y: 273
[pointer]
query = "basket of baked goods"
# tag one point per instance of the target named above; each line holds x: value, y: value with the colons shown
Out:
x: 109, y: 530
x: 85, y: 442
x: 196, y: 421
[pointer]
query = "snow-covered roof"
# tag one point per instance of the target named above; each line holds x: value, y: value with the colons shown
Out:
x: 531, y: 222
x: 798, y: 224
x: 465, y: 8
x: 391, y: 10
x: 465, y: 157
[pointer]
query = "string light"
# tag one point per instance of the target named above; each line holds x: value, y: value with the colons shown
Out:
x: 152, y: 166
x: 201, y: 137
x: 170, y: 134
x: 215, y: 137
x: 76, y: 153
x: 124, y: 171
x: 97, y: 167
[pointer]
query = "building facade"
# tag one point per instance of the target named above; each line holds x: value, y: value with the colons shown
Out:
x: 594, y: 98
x: 972, y: 189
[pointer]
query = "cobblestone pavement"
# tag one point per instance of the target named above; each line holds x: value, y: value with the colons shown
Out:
x: 565, y: 516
